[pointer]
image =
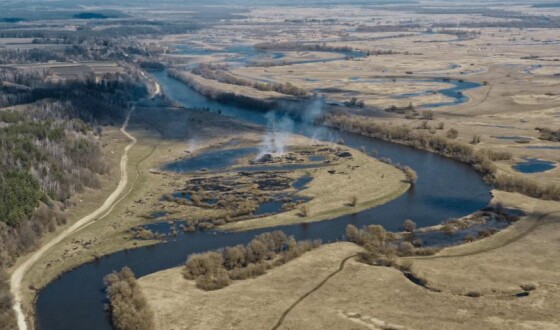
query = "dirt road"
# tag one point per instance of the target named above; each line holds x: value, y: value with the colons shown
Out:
x: 20, y: 271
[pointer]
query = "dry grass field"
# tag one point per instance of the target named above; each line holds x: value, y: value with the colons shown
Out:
x: 368, y: 297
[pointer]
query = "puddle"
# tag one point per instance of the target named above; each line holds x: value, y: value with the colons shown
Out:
x: 534, y: 165
x: 544, y: 147
x: 302, y: 182
x: 317, y: 158
x: 512, y: 137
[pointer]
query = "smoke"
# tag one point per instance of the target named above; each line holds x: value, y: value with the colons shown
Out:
x: 277, y: 132
x: 280, y: 126
x: 312, y: 113
x: 192, y: 145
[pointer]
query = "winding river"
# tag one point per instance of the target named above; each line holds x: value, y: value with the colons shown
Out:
x: 445, y: 189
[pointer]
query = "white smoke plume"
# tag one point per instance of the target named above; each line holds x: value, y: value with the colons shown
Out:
x: 280, y: 126
x: 277, y: 132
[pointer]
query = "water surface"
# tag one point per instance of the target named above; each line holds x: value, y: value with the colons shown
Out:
x: 445, y: 189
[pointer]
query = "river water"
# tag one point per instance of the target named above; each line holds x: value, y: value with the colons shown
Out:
x: 445, y: 189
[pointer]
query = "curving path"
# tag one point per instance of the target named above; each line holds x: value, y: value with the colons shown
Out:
x: 21, y: 270
x: 317, y: 287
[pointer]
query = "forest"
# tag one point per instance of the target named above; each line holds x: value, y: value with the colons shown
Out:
x: 50, y: 149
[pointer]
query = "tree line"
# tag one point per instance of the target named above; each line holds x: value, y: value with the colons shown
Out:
x: 480, y: 160
x: 216, y: 269
x: 221, y: 74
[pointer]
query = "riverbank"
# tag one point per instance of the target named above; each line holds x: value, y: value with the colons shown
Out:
x: 362, y: 295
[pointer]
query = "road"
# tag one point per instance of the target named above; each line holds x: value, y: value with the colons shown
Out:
x: 21, y: 270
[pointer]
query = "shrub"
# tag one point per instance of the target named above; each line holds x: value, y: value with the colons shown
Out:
x: 409, y: 225
x: 304, y: 211
x: 516, y: 183
x: 448, y: 229
x: 235, y: 257
x: 213, y: 281
x: 296, y: 249
x: 251, y: 270
x: 202, y: 264
x: 452, y: 134
x: 353, y: 234
x: 214, y: 270
x: 129, y: 307
x: 473, y: 294
x: 528, y: 287
x: 257, y: 252
x: 273, y: 241
x: 353, y: 201
x: 427, y: 115
x: 411, y: 175
x: 475, y: 139
x: 406, y: 249
x: 406, y: 265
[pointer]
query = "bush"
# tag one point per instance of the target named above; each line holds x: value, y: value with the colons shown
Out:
x: 257, y: 252
x: 304, y: 211
x: 448, y: 229
x: 202, y: 264
x: 353, y: 201
x: 406, y: 265
x: 235, y: 257
x: 409, y: 225
x: 213, y: 281
x: 473, y: 294
x: 214, y: 270
x: 516, y: 183
x: 427, y: 115
x: 475, y: 139
x: 251, y: 270
x: 452, y: 134
x: 406, y: 249
x: 528, y: 287
x: 411, y: 175
x: 129, y: 307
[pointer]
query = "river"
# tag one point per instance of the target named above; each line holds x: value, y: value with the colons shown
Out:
x: 445, y: 189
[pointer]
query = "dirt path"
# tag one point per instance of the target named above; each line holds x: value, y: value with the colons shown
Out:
x: 317, y: 287
x: 19, y: 272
